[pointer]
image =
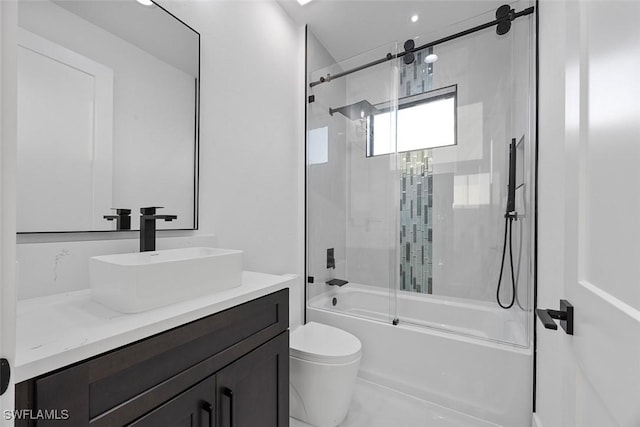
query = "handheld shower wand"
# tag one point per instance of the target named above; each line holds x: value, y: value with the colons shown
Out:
x: 509, y: 216
x: 511, y: 189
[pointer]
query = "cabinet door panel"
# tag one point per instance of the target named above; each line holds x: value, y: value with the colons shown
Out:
x: 193, y: 408
x: 254, y: 390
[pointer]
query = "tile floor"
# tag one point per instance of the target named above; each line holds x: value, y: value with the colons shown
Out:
x: 377, y: 406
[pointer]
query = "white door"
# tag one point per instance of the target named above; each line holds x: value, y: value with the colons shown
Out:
x: 65, y: 138
x: 8, y: 25
x: 590, y: 203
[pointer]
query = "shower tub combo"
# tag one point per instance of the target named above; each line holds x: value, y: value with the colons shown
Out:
x: 411, y: 163
x: 451, y: 353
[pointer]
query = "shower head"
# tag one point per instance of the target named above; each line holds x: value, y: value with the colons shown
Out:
x: 359, y: 110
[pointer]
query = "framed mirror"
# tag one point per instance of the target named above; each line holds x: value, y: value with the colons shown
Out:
x: 108, y: 116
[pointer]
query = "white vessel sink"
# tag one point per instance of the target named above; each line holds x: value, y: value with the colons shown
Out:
x: 135, y: 282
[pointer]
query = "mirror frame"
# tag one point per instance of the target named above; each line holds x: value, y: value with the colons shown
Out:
x: 196, y: 152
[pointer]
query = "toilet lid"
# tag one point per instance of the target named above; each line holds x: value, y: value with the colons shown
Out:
x: 316, y: 342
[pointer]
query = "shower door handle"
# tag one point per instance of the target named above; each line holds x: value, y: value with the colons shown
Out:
x: 565, y: 315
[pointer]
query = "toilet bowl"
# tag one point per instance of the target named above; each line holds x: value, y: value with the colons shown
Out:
x: 324, y: 365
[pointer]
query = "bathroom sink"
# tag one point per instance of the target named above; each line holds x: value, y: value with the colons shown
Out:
x: 135, y: 282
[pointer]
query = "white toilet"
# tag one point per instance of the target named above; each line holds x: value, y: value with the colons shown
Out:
x: 324, y: 364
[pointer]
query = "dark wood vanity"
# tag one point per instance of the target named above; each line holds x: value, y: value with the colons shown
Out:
x: 230, y: 369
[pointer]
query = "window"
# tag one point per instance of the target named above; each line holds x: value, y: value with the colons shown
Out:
x: 318, y: 146
x: 423, y: 121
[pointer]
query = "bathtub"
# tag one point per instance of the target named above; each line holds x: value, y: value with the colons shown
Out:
x: 472, y: 357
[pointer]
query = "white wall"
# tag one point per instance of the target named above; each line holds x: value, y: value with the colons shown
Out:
x: 154, y: 107
x: 251, y: 132
x: 250, y: 148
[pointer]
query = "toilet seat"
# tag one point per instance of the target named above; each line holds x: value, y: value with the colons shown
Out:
x: 315, y: 342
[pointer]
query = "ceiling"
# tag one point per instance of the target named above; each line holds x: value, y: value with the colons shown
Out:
x: 349, y: 27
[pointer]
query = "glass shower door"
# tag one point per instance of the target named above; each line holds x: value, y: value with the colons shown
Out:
x: 454, y: 195
x: 351, y: 193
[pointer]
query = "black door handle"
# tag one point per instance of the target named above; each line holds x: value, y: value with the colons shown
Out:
x: 546, y: 319
x: 229, y: 393
x: 208, y: 407
x: 565, y: 315
x: 5, y: 375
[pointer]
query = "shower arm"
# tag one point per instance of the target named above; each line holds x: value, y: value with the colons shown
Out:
x: 510, y: 16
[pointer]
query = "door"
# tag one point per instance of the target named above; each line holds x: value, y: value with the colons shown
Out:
x: 254, y: 390
x: 65, y: 138
x: 192, y: 408
x: 8, y: 27
x: 591, y: 378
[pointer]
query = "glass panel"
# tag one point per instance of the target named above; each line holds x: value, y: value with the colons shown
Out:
x: 452, y: 212
x: 351, y: 198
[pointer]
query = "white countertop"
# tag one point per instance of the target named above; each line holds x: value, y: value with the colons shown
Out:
x: 58, y: 330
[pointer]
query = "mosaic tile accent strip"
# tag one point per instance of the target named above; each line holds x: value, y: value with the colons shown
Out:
x: 416, y: 184
x: 416, y: 233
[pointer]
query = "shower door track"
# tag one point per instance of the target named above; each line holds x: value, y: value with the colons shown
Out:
x: 511, y: 16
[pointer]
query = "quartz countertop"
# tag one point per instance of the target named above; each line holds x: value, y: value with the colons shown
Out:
x: 62, y: 329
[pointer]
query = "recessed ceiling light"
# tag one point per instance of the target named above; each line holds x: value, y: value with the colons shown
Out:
x: 414, y: 18
x: 303, y: 2
x: 145, y: 2
x: 431, y: 58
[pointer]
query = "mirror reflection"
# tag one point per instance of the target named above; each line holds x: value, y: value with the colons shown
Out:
x: 107, y: 116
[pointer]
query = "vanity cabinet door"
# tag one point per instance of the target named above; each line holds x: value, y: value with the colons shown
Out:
x: 192, y: 408
x: 254, y: 390
x: 166, y: 375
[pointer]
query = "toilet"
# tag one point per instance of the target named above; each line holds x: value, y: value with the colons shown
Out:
x: 324, y: 365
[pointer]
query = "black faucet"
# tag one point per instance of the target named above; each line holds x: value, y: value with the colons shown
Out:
x: 122, y: 218
x: 148, y: 219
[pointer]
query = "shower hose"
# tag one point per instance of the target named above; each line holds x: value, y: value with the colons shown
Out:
x: 508, y: 222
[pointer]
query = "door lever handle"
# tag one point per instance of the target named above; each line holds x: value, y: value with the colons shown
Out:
x: 565, y: 315
x: 546, y: 318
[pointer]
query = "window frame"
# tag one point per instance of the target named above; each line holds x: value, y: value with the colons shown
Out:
x: 408, y: 102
